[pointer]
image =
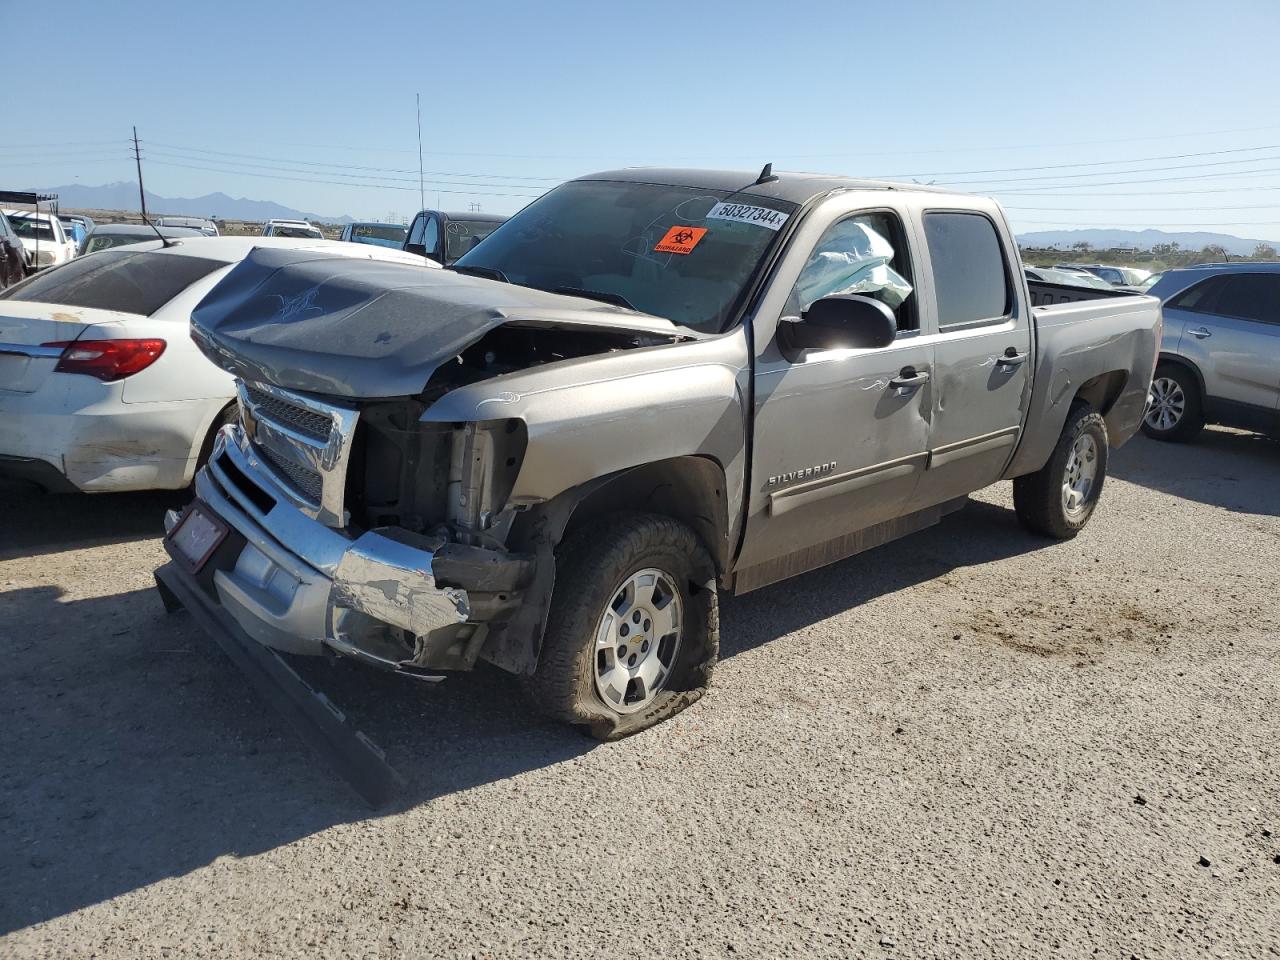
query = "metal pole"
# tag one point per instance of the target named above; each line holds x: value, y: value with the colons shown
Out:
x: 422, y: 196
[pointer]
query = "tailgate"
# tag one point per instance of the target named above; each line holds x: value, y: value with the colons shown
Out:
x: 26, y: 326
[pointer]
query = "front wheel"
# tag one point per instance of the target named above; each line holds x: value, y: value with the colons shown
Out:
x: 633, y: 632
x: 1058, y: 500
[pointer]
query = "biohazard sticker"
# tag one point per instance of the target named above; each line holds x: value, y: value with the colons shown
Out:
x: 742, y: 213
x: 680, y: 240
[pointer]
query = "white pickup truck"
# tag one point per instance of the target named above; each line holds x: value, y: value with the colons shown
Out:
x: 647, y: 387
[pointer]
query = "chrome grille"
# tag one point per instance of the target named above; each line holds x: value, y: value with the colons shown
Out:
x: 308, y: 423
x: 307, y: 482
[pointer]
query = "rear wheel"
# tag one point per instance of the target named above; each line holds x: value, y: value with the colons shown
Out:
x: 633, y: 632
x: 226, y: 416
x: 1058, y: 500
x: 1175, y: 411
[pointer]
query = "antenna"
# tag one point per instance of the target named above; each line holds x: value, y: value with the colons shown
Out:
x: 422, y: 196
x: 142, y: 194
x: 766, y: 175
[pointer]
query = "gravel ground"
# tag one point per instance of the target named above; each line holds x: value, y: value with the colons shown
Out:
x: 970, y: 743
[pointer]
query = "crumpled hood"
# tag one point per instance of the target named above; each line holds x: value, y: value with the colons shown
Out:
x: 363, y: 328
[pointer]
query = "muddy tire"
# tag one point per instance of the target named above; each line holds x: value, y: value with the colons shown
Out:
x: 1176, y: 410
x: 1058, y: 500
x: 633, y: 632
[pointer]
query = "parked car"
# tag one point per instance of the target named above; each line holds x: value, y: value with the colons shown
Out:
x: 203, y: 225
x: 43, y: 238
x: 109, y: 235
x: 646, y: 386
x: 101, y: 388
x: 1116, y: 276
x: 83, y: 219
x: 75, y: 232
x: 297, y: 229
x: 444, y: 237
x: 379, y: 234
x: 1220, y: 359
x: 1066, y: 277
x: 13, y: 256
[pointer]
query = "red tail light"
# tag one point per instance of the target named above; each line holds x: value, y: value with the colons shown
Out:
x: 108, y: 360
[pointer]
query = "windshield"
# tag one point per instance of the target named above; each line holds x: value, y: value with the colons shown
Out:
x: 302, y: 233
x: 38, y: 229
x: 105, y: 241
x: 675, y: 252
x: 462, y: 235
x: 379, y: 234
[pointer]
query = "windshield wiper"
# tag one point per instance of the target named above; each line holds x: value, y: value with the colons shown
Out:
x: 489, y: 273
x: 617, y: 299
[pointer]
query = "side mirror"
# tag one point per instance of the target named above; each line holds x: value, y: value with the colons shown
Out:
x: 841, y: 322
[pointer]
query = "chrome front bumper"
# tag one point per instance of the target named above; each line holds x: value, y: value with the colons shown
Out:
x: 296, y: 580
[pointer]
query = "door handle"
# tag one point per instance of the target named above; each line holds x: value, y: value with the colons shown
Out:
x: 1012, y: 359
x: 1200, y: 334
x: 909, y: 379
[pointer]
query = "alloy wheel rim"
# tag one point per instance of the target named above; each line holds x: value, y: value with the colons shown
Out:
x: 637, y: 640
x: 1168, y: 404
x: 1082, y: 470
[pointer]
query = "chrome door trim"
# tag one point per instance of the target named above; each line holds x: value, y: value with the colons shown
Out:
x: 985, y: 443
x: 837, y: 484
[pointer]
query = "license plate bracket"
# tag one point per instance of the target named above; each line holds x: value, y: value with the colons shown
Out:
x: 196, y: 535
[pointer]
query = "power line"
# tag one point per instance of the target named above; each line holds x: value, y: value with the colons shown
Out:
x: 336, y: 183
x: 1246, y: 206
x: 1111, y: 173
x: 345, y: 166
x: 360, y: 177
x: 1094, y: 163
x: 1130, y: 183
x: 1157, y: 226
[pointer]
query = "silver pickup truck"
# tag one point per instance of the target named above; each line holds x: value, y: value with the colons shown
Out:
x: 645, y: 388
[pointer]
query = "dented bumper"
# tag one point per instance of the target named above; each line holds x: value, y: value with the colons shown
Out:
x: 296, y: 585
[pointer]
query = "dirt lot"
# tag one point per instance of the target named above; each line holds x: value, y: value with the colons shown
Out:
x: 971, y: 743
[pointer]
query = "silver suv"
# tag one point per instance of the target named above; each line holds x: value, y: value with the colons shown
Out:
x: 1220, y: 357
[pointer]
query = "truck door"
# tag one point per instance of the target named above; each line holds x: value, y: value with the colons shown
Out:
x: 982, y: 354
x: 840, y: 436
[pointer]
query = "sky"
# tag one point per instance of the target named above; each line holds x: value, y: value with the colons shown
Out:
x: 1083, y: 114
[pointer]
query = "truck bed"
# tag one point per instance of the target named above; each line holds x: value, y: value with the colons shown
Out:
x: 1044, y: 293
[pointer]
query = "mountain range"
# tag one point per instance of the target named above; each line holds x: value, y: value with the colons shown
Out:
x: 124, y: 196
x: 1142, y: 239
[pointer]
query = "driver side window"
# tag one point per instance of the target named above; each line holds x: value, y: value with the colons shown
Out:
x: 865, y: 255
x: 431, y: 237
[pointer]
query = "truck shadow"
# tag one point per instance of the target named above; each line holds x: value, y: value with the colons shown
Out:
x: 1225, y: 468
x: 33, y: 523
x: 135, y: 752
x: 980, y: 533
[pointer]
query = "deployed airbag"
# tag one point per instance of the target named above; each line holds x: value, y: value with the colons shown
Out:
x: 852, y: 258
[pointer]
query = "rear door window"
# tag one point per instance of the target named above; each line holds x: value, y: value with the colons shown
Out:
x: 139, y: 282
x: 969, y: 275
x: 1250, y: 296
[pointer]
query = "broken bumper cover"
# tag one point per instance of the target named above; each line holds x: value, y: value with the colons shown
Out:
x: 295, y: 598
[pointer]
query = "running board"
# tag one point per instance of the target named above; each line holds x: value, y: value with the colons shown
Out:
x: 314, y: 717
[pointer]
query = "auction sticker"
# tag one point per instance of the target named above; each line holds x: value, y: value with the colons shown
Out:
x: 742, y: 213
x: 680, y: 239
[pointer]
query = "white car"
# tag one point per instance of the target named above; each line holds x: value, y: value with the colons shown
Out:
x: 43, y: 238
x: 101, y: 387
x: 292, y: 228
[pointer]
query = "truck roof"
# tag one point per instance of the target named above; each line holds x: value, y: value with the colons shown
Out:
x: 788, y: 185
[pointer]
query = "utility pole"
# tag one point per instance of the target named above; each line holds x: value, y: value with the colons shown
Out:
x: 137, y: 158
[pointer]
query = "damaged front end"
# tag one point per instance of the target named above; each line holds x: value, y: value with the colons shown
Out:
x: 362, y: 530
x: 357, y: 523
